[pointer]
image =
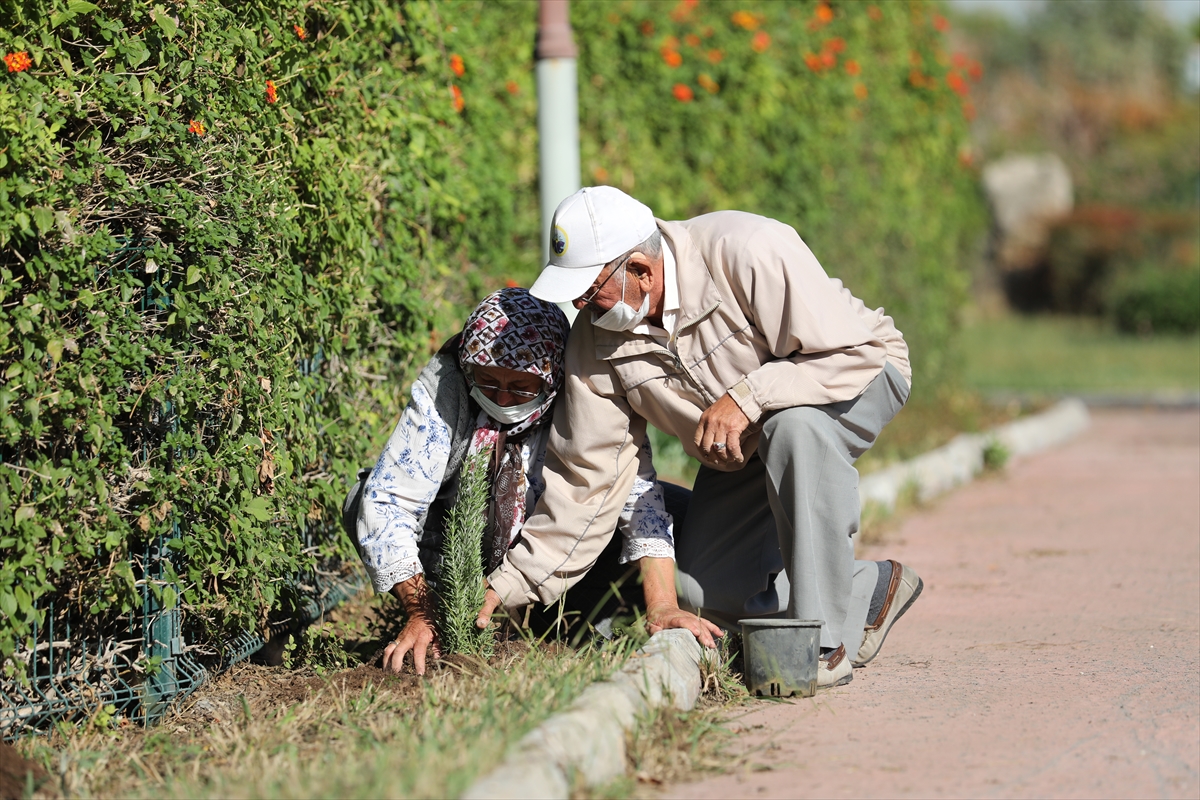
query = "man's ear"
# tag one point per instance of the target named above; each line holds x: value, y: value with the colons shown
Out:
x: 639, y: 265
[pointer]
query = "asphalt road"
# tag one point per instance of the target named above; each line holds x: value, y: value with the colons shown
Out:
x: 1055, y: 651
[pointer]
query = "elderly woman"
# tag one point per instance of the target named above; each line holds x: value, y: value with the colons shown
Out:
x: 489, y: 390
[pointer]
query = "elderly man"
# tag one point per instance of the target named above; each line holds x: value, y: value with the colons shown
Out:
x: 725, y: 331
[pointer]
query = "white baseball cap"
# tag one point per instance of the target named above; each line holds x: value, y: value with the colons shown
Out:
x: 590, y: 229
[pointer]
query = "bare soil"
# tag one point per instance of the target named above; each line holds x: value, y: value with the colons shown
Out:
x: 14, y: 773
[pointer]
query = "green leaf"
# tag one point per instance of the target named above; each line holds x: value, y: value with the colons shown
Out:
x: 24, y: 513
x: 81, y: 7
x: 54, y: 348
x: 165, y: 22
x: 8, y: 604
x: 259, y: 508
x: 193, y: 274
x: 43, y: 218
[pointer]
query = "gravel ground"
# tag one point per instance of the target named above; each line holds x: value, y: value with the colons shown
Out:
x: 1055, y: 651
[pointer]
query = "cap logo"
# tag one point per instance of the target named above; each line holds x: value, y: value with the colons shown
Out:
x: 558, y: 241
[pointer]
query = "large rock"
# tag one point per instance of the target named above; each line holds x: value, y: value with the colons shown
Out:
x: 1027, y: 194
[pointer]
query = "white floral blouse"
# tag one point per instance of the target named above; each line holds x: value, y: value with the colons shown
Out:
x: 409, y: 475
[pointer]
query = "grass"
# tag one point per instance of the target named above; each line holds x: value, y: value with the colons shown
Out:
x: 1056, y: 355
x: 324, y: 730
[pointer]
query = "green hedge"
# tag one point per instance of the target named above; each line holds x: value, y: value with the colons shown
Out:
x: 848, y: 122
x: 210, y: 301
x: 212, y: 288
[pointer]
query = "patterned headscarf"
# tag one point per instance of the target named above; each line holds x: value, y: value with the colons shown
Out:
x: 511, y: 329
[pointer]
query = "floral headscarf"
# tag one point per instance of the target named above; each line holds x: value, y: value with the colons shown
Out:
x: 511, y: 329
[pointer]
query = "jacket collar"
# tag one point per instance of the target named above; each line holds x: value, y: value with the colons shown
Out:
x: 698, y: 297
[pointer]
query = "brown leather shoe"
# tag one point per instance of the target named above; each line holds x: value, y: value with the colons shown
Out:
x: 903, y: 590
x: 834, y: 669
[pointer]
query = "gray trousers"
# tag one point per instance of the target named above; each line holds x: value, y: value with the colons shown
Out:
x: 773, y: 538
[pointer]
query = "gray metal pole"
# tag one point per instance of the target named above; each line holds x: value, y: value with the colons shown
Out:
x: 558, y: 111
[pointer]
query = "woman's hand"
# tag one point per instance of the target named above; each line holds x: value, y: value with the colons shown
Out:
x: 420, y: 633
x: 663, y: 616
x: 662, y: 604
x: 491, y: 601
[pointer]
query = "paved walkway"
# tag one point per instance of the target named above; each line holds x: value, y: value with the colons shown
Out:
x: 1054, y: 652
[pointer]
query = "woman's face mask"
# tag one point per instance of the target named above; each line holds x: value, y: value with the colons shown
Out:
x: 507, y: 415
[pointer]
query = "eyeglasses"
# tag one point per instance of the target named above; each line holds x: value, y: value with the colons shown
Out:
x: 588, y: 300
x: 486, y: 389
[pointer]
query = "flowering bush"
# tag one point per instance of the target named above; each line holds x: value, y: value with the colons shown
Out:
x: 694, y: 107
x: 210, y: 294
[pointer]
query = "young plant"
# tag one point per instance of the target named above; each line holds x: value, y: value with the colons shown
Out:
x: 462, y: 588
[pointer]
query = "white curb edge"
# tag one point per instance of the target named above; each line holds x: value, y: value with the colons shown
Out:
x: 956, y: 463
x: 588, y: 739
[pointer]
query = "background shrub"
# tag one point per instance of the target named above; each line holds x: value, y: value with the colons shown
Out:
x: 1155, y: 300
x: 848, y: 122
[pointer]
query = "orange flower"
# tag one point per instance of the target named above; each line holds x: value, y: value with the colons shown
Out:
x: 874, y: 13
x: 975, y: 70
x: 300, y: 32
x: 708, y: 31
x: 197, y: 127
x: 682, y: 92
x: 714, y: 56
x: 960, y: 60
x: 600, y: 174
x: 682, y: 11
x: 691, y: 3
x: 671, y: 57
x: 710, y: 86
x: 860, y: 91
x: 692, y: 40
x: 828, y: 59
x: 916, y: 78
x: 744, y: 19
x: 941, y: 23
x: 852, y: 67
x: 459, y: 104
x: 512, y: 88
x: 18, y: 62
x: 813, y: 61
x: 456, y: 64
x: 824, y: 13
x: 760, y: 42
x: 647, y: 28
x: 670, y: 43
x: 271, y: 95
x: 511, y: 284
x: 957, y: 84
x: 914, y: 58
x: 836, y: 45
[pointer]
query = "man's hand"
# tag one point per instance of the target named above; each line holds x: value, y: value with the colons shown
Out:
x: 719, y: 434
x: 491, y: 601
x: 419, y: 634
x: 661, y: 617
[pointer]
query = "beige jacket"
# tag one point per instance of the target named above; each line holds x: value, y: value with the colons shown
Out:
x: 758, y: 318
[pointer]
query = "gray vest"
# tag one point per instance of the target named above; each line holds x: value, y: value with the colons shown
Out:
x: 444, y: 381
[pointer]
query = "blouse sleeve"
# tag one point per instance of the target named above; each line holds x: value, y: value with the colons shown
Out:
x: 644, y: 520
x: 399, y: 491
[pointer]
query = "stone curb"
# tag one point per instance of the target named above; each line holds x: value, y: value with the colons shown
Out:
x: 956, y: 463
x: 587, y: 741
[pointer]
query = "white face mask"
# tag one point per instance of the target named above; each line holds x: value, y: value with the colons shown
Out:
x: 622, y: 316
x: 507, y: 415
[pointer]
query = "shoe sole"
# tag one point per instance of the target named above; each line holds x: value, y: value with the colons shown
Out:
x: 905, y: 607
